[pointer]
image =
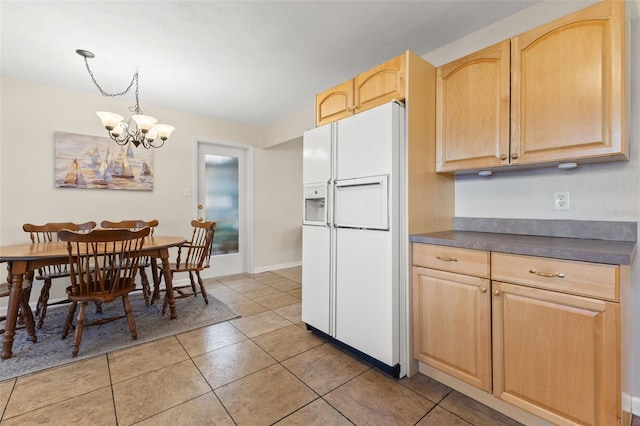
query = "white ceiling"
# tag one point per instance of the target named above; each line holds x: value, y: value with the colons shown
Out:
x: 253, y: 62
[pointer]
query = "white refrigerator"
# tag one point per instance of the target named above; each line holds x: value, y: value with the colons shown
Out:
x: 354, y: 236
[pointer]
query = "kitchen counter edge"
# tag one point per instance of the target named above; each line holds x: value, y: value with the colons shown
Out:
x: 584, y: 250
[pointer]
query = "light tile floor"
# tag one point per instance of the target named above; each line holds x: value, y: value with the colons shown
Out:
x: 263, y: 368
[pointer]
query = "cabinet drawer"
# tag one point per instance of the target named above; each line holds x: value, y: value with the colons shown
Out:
x: 452, y: 259
x: 580, y: 278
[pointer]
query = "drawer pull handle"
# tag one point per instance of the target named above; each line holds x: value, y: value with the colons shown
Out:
x: 447, y: 259
x: 546, y: 274
x: 496, y: 292
x: 483, y: 289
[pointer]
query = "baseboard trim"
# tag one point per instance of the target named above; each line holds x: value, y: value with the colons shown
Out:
x: 635, y: 405
x: 276, y: 267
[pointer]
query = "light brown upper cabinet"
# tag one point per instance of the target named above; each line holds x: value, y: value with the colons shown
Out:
x: 566, y: 96
x: 472, y: 113
x: 374, y: 87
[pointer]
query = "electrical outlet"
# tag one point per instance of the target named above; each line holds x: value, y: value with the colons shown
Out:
x: 561, y: 200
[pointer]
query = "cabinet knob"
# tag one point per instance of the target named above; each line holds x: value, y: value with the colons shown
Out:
x: 514, y: 155
x: 496, y: 292
x: 200, y: 219
x: 483, y: 289
x: 503, y: 157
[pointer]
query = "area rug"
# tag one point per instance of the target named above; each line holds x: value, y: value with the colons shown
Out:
x: 51, y: 350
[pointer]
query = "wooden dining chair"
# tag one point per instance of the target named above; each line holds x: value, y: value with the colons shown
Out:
x: 45, y: 234
x: 103, y: 265
x: 193, y: 256
x: 146, y: 261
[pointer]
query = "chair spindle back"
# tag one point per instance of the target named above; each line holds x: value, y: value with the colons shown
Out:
x: 199, y: 248
x: 103, y: 262
x: 132, y: 225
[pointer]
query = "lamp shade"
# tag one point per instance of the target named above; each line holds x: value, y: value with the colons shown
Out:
x: 144, y: 122
x: 164, y: 131
x: 109, y: 120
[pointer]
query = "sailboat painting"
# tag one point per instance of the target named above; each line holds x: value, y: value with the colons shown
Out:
x: 93, y: 162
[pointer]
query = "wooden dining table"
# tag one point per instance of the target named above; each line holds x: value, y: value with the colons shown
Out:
x: 24, y: 259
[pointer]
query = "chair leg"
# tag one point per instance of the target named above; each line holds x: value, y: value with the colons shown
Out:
x: 130, y: 319
x: 98, y: 307
x: 67, y: 323
x: 43, y: 300
x: 193, y: 284
x: 26, y: 294
x: 156, y: 279
x: 28, y: 316
x: 165, y: 302
x: 79, y: 328
x: 202, y: 289
x: 146, y: 290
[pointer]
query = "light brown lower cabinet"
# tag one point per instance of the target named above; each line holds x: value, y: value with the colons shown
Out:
x: 453, y: 312
x: 543, y: 335
x: 555, y: 355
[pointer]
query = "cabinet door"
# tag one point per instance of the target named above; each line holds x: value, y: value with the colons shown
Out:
x: 335, y: 103
x: 472, y: 112
x: 556, y: 355
x: 567, y: 88
x: 452, y: 324
x: 380, y: 84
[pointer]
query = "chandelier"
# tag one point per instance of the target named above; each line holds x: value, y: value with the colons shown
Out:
x: 140, y: 129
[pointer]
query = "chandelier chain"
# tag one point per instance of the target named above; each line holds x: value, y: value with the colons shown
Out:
x: 134, y: 79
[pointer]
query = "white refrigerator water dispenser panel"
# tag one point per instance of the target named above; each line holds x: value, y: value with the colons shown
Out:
x: 315, y: 205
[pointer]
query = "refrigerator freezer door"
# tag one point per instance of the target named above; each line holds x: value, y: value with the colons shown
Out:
x: 366, y: 141
x: 362, y: 203
x: 316, y: 164
x: 316, y: 278
x: 367, y: 294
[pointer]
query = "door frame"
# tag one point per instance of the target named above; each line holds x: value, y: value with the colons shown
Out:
x: 249, y: 240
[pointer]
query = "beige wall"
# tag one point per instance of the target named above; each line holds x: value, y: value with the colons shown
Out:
x: 278, y: 205
x: 31, y: 113
x: 290, y: 127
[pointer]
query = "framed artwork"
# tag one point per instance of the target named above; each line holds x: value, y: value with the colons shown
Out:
x: 93, y: 162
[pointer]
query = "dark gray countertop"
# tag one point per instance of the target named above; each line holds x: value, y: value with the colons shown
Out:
x: 581, y: 249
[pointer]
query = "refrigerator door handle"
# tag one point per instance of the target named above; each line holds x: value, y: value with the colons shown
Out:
x: 329, y: 201
x: 359, y: 185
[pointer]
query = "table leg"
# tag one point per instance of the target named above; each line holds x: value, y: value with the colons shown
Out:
x: 26, y: 310
x: 15, y: 293
x: 164, y: 255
